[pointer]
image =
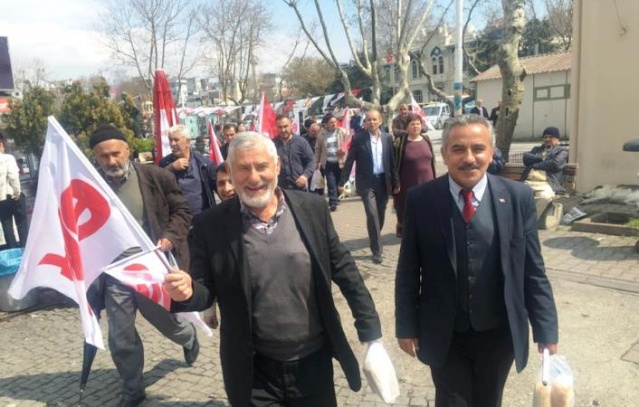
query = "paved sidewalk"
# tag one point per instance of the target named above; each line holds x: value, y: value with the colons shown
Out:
x: 596, y: 284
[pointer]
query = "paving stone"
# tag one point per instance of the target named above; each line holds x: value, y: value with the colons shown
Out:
x: 41, y: 350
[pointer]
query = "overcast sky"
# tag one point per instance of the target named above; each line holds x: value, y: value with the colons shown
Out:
x: 62, y: 35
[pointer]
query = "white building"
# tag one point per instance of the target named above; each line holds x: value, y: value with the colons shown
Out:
x: 546, y: 100
x: 439, y: 54
x: 180, y: 91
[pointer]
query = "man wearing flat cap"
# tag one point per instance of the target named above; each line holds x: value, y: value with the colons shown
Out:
x: 545, y: 165
x: 154, y: 199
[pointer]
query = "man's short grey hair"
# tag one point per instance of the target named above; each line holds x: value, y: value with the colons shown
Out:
x: 465, y: 120
x: 180, y: 129
x: 248, y: 140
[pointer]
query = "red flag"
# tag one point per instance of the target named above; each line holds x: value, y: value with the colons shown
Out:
x: 164, y: 115
x: 266, y: 119
x: 288, y: 106
x: 214, y: 147
x: 346, y: 125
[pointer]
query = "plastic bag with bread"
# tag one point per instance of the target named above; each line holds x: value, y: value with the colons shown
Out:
x: 556, y: 384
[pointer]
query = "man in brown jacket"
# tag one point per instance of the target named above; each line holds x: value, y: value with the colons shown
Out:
x: 154, y: 199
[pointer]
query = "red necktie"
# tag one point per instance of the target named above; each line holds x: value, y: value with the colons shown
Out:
x: 469, y: 208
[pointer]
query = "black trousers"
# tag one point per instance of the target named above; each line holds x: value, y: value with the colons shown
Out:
x: 476, y: 369
x: 375, y: 200
x: 306, y: 382
x: 14, y: 209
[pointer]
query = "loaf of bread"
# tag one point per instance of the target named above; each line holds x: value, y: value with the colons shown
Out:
x: 562, y: 393
x: 541, y: 396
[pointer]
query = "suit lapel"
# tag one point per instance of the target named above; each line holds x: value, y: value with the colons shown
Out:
x: 445, y: 219
x: 503, y: 216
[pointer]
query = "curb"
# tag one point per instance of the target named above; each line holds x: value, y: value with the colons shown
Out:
x: 598, y: 281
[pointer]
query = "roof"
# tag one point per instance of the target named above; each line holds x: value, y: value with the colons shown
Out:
x: 557, y: 62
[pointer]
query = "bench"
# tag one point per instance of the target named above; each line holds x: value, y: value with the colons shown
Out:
x: 513, y: 171
x: 549, y: 213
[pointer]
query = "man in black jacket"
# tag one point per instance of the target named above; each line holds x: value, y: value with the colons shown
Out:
x: 376, y: 176
x: 296, y: 157
x: 479, y: 109
x: 270, y: 263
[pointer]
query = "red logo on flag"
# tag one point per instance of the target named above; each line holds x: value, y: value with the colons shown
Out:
x: 77, y: 198
x: 156, y: 292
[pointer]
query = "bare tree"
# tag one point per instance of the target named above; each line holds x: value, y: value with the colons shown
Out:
x: 287, y: 65
x: 362, y: 33
x: 151, y: 34
x: 309, y: 76
x: 235, y: 29
x: 560, y: 19
x: 31, y: 74
x: 512, y: 71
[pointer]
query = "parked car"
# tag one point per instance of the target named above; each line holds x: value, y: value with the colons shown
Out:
x: 437, y: 114
x: 469, y: 106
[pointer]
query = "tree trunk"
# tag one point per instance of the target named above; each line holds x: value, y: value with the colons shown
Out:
x: 512, y: 72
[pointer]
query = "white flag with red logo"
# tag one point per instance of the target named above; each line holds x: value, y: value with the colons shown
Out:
x: 144, y: 272
x: 79, y: 227
x: 417, y: 109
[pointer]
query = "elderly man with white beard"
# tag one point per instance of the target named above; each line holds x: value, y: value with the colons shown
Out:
x: 270, y: 263
x: 154, y: 199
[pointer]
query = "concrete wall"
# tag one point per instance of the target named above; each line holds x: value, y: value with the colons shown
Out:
x: 534, y: 115
x: 605, y: 91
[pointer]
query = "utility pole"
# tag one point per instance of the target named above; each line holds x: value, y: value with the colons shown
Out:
x: 458, y: 86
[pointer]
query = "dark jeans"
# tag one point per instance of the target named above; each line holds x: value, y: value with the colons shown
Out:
x: 476, y: 369
x: 333, y: 174
x: 375, y: 200
x: 10, y: 209
x: 307, y: 382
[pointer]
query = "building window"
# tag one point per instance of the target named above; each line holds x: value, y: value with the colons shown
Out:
x: 552, y: 92
x: 417, y: 94
x: 435, y: 70
x: 415, y: 69
x: 441, y: 64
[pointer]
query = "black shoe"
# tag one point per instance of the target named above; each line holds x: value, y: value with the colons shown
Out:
x: 333, y: 208
x: 377, y: 258
x: 131, y: 403
x: 190, y: 355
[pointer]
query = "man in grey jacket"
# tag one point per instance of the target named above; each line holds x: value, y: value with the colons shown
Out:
x: 545, y: 165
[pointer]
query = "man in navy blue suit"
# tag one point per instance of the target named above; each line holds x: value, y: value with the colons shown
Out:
x: 470, y: 275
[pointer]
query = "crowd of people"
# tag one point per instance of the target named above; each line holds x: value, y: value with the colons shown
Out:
x: 252, y: 239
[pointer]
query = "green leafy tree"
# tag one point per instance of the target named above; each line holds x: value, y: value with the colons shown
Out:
x: 83, y: 110
x: 483, y: 51
x: 26, y: 123
x: 538, y: 38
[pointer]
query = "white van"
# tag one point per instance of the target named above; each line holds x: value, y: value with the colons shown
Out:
x: 437, y: 114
